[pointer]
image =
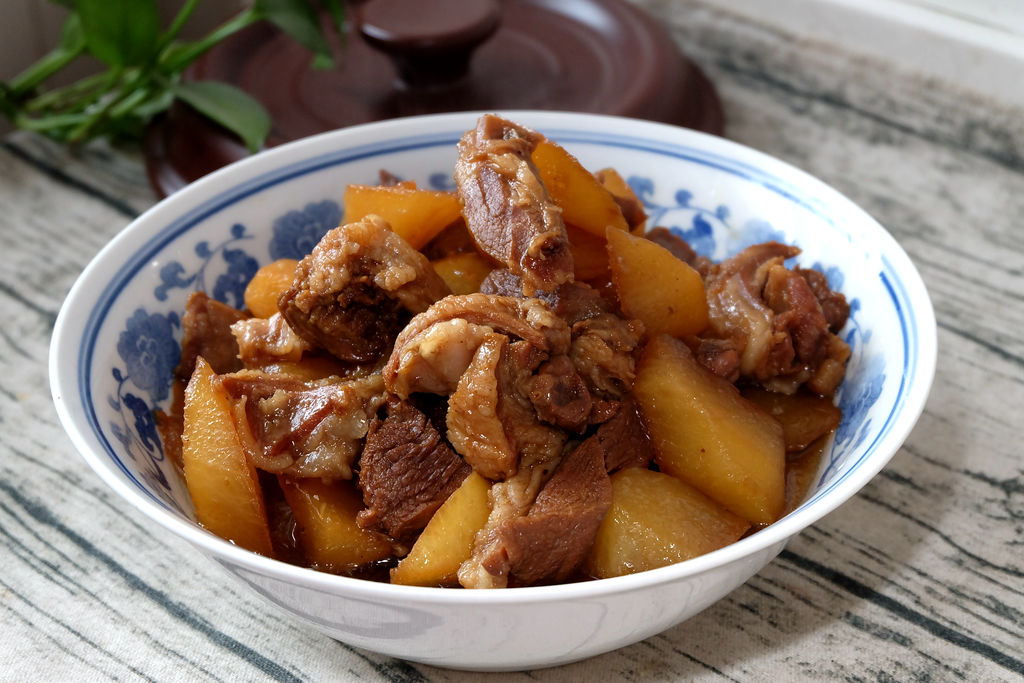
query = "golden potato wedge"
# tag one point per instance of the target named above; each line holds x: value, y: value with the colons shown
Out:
x: 630, y: 204
x: 704, y: 432
x: 655, y: 520
x: 325, y: 519
x: 655, y: 287
x: 417, y: 215
x: 585, y: 203
x: 267, y: 285
x: 447, y: 540
x: 464, y: 272
x: 222, y: 481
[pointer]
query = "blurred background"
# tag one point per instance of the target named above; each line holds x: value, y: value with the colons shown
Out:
x: 30, y: 28
x: 978, y: 44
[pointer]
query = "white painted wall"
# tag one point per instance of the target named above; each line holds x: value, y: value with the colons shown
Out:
x: 1004, y: 15
x: 975, y: 44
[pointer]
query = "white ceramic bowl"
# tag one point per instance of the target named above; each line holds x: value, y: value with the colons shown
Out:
x: 114, y: 347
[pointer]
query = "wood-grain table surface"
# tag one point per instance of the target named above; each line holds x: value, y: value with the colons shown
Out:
x: 920, y: 577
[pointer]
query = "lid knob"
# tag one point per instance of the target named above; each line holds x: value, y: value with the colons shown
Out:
x: 430, y: 42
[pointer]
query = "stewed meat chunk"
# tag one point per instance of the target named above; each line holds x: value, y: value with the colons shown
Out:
x: 407, y: 470
x: 549, y: 542
x: 437, y: 345
x: 207, y: 333
x: 268, y: 340
x: 492, y: 422
x: 623, y: 439
x: 772, y: 318
x: 603, y: 343
x: 304, y: 429
x: 357, y: 288
x: 560, y: 396
x: 507, y: 208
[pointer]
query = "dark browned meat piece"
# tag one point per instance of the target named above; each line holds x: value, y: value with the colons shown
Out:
x: 797, y: 312
x: 475, y: 426
x: 560, y: 396
x: 834, y: 306
x: 549, y: 542
x: 624, y: 440
x: 495, y: 427
x: 819, y: 357
x: 302, y: 429
x: 207, y: 333
x: 602, y: 351
x: 632, y: 210
x: 720, y: 357
x: 680, y: 249
x: 737, y: 311
x: 491, y: 421
x: 774, y: 321
x: 602, y: 342
x: 434, y: 349
x: 629, y: 203
x: 352, y: 294
x: 406, y: 472
x: 572, y: 302
x: 387, y: 179
x: 503, y: 282
x: 487, y: 567
x: 506, y: 206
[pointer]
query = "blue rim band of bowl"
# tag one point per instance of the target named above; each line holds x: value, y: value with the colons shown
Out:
x: 316, y: 163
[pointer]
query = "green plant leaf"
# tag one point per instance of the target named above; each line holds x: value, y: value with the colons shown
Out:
x: 299, y: 20
x: 232, y: 108
x: 120, y: 32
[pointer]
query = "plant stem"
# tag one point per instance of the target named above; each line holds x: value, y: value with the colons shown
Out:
x: 97, y: 116
x: 51, y: 63
x: 59, y: 97
x: 49, y: 122
x: 178, y: 23
x: 187, y: 54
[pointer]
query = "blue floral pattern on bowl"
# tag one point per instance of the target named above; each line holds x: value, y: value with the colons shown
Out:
x: 228, y: 286
x: 297, y: 232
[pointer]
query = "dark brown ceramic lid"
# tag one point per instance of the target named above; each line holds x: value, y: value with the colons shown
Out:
x: 407, y: 57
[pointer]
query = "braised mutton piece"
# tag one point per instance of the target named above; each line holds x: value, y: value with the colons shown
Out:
x: 773, y: 318
x: 352, y: 293
x: 549, y: 542
x: 303, y: 429
x: 491, y: 420
x: 406, y: 472
x: 819, y: 356
x: 268, y: 340
x: 507, y: 208
x: 207, y: 333
x: 602, y: 344
x: 623, y: 439
x: 436, y: 347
